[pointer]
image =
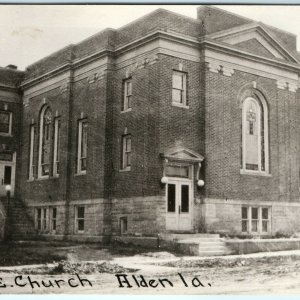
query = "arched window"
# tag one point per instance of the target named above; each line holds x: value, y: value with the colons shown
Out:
x: 45, y: 141
x: 255, y: 156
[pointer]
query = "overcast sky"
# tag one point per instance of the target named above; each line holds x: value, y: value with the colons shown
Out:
x: 28, y: 33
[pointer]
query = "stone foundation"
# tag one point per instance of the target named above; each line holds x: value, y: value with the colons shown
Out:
x: 145, y: 215
x: 224, y: 216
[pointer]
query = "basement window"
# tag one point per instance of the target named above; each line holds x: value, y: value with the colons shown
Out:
x: 123, y: 225
x: 255, y: 220
x: 80, y: 218
x: 41, y: 219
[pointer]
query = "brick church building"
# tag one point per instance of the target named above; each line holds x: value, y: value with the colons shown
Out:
x: 167, y: 124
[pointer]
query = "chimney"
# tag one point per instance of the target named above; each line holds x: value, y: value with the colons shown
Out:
x: 11, y: 67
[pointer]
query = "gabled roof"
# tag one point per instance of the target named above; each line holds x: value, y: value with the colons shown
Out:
x: 257, y: 39
x: 183, y: 154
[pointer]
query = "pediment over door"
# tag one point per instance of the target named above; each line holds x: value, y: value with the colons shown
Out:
x: 182, y: 155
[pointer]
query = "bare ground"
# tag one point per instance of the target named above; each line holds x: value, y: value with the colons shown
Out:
x: 262, y: 273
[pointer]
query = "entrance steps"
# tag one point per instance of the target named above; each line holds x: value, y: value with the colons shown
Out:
x: 198, y: 244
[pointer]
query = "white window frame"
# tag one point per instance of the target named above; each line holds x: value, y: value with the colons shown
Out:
x: 127, y: 96
x: 44, y: 220
x: 77, y: 219
x: 56, y: 148
x: 40, y: 176
x: 259, y: 220
x: 31, y: 152
x: 183, y: 102
x: 245, y: 128
x: 9, y: 133
x: 79, y: 154
x: 125, y: 166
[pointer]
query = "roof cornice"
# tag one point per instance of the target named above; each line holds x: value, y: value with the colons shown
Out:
x: 263, y: 29
x: 228, y: 49
x: 205, y: 42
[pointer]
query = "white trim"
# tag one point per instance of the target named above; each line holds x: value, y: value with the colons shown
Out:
x: 259, y: 220
x: 79, y: 157
x: 266, y: 136
x: 31, y: 152
x: 56, y: 142
x: 41, y: 117
x: 183, y: 75
x: 126, y: 95
x: 76, y: 218
x: 224, y: 34
x: 126, y: 167
x: 9, y: 133
x: 250, y: 66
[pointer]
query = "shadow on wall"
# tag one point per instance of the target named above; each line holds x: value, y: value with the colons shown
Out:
x: 2, y: 221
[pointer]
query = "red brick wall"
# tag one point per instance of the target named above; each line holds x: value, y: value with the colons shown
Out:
x: 223, y: 141
x: 52, y: 189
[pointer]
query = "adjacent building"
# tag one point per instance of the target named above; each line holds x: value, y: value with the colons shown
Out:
x: 168, y: 124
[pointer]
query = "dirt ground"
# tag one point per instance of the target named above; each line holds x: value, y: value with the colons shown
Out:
x: 92, y: 269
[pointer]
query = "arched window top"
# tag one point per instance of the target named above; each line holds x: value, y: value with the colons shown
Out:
x: 45, y: 141
x: 255, y: 149
x: 46, y: 115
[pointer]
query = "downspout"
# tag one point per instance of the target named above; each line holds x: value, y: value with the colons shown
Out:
x: 69, y: 152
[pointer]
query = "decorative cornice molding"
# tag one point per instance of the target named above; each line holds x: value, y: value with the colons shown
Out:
x: 220, y: 68
x: 286, y: 85
x: 214, y: 67
x: 292, y: 87
x: 227, y: 71
x: 141, y: 64
x: 228, y: 49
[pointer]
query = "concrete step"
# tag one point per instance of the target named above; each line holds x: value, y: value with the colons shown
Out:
x: 215, y: 253
x: 184, y: 236
x: 202, y: 241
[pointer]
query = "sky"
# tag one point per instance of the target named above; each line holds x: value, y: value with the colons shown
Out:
x: 30, y: 32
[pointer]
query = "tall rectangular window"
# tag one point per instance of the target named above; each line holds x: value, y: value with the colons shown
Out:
x: 127, y: 94
x: 56, y: 148
x: 53, y: 219
x: 126, y: 151
x: 41, y: 219
x: 82, y: 146
x: 179, y: 88
x: 5, y: 122
x: 32, y: 134
x: 80, y: 218
x: 245, y: 219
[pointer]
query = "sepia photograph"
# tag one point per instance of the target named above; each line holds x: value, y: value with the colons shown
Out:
x: 150, y: 149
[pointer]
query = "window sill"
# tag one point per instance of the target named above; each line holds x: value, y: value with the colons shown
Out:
x: 42, y: 178
x: 125, y: 111
x: 253, y: 173
x: 6, y: 134
x: 80, y: 174
x: 180, y: 105
x: 125, y: 170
